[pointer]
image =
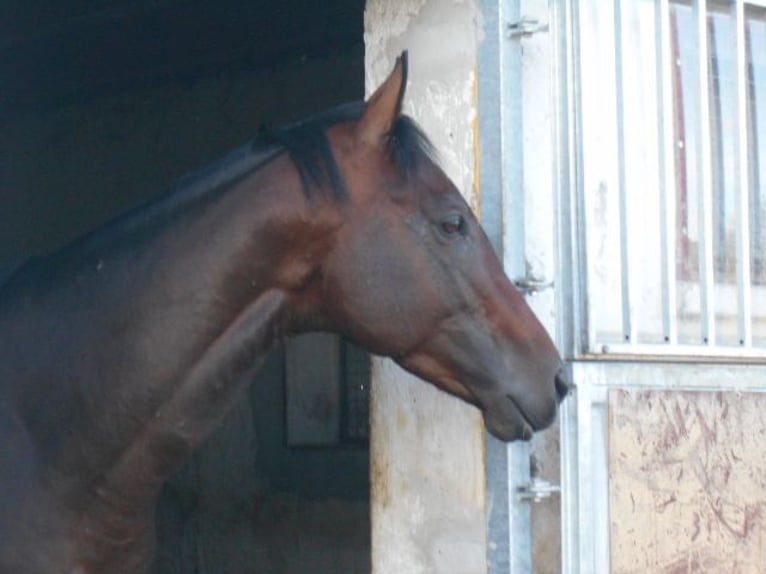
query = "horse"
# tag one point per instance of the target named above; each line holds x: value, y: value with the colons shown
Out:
x: 121, y: 352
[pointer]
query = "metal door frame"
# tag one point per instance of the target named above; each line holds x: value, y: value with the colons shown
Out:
x: 596, y: 370
x: 508, y: 26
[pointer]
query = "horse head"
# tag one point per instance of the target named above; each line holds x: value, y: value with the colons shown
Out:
x: 412, y: 275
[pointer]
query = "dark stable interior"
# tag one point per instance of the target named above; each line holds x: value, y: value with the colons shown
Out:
x: 104, y: 103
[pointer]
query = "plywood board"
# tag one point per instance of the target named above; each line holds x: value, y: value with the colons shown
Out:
x: 687, y: 482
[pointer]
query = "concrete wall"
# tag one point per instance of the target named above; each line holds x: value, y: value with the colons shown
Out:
x: 427, y: 449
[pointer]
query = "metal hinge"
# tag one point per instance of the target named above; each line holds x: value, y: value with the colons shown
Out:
x: 532, y: 285
x: 537, y: 490
x: 525, y: 27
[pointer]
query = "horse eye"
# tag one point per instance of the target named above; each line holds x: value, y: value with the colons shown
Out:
x: 453, y: 224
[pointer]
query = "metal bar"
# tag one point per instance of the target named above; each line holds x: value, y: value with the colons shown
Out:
x: 570, y: 486
x: 585, y: 468
x: 755, y: 143
x: 683, y: 352
x: 667, y: 375
x: 490, y: 131
x: 573, y: 324
x: 519, y: 513
x: 512, y: 134
x: 744, y: 307
x: 599, y: 484
x: 491, y: 70
x: 498, y: 507
x: 584, y: 324
x: 666, y: 141
x: 626, y: 279
x: 704, y: 167
x: 514, y: 259
x: 584, y: 328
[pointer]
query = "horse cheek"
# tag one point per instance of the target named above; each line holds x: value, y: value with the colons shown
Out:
x: 374, y: 309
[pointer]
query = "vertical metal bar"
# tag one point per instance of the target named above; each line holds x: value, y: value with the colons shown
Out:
x: 514, y: 248
x: 666, y: 144
x: 519, y: 513
x: 570, y: 522
x: 490, y: 148
x: 490, y: 78
x: 512, y: 133
x: 744, y: 307
x: 600, y: 480
x: 508, y: 466
x: 514, y: 243
x: 705, y: 174
x: 570, y: 312
x: 626, y: 279
x: 580, y: 76
x: 585, y: 466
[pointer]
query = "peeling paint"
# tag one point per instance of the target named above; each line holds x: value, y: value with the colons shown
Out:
x: 385, y: 20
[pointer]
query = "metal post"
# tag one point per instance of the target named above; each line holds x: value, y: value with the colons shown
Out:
x: 704, y: 167
x: 627, y: 281
x: 667, y: 167
x: 744, y: 307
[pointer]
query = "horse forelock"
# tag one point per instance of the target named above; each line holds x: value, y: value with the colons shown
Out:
x: 411, y: 147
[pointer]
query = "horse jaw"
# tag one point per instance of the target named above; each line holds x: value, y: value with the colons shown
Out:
x: 503, y: 415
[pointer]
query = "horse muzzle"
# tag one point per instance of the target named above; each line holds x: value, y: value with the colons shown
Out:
x: 511, y: 418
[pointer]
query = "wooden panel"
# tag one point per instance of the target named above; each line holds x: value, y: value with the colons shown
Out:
x: 687, y: 482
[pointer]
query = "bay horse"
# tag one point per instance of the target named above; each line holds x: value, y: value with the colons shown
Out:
x: 121, y: 353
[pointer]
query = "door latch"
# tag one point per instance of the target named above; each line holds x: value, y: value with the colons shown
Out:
x: 525, y: 27
x: 536, y: 490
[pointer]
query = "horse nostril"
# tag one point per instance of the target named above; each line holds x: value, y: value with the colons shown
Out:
x: 563, y: 386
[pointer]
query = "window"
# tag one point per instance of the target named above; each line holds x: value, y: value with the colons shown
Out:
x: 327, y: 392
x: 662, y: 168
x: 673, y: 160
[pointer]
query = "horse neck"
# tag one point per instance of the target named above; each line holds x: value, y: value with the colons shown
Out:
x: 211, y: 257
x: 157, y: 308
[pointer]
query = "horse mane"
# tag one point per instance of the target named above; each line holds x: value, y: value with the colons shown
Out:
x: 309, y: 148
x: 307, y: 144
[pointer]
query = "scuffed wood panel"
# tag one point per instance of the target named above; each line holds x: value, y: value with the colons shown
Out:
x: 687, y: 482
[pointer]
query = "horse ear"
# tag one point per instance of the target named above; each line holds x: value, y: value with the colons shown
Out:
x: 384, y: 106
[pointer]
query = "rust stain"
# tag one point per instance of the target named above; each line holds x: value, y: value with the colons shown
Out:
x: 379, y: 483
x: 380, y: 487
x: 402, y: 420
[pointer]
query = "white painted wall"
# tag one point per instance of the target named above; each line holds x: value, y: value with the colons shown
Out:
x: 427, y: 449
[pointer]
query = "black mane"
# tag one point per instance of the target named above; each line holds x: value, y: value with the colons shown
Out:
x: 310, y: 150
x: 307, y: 144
